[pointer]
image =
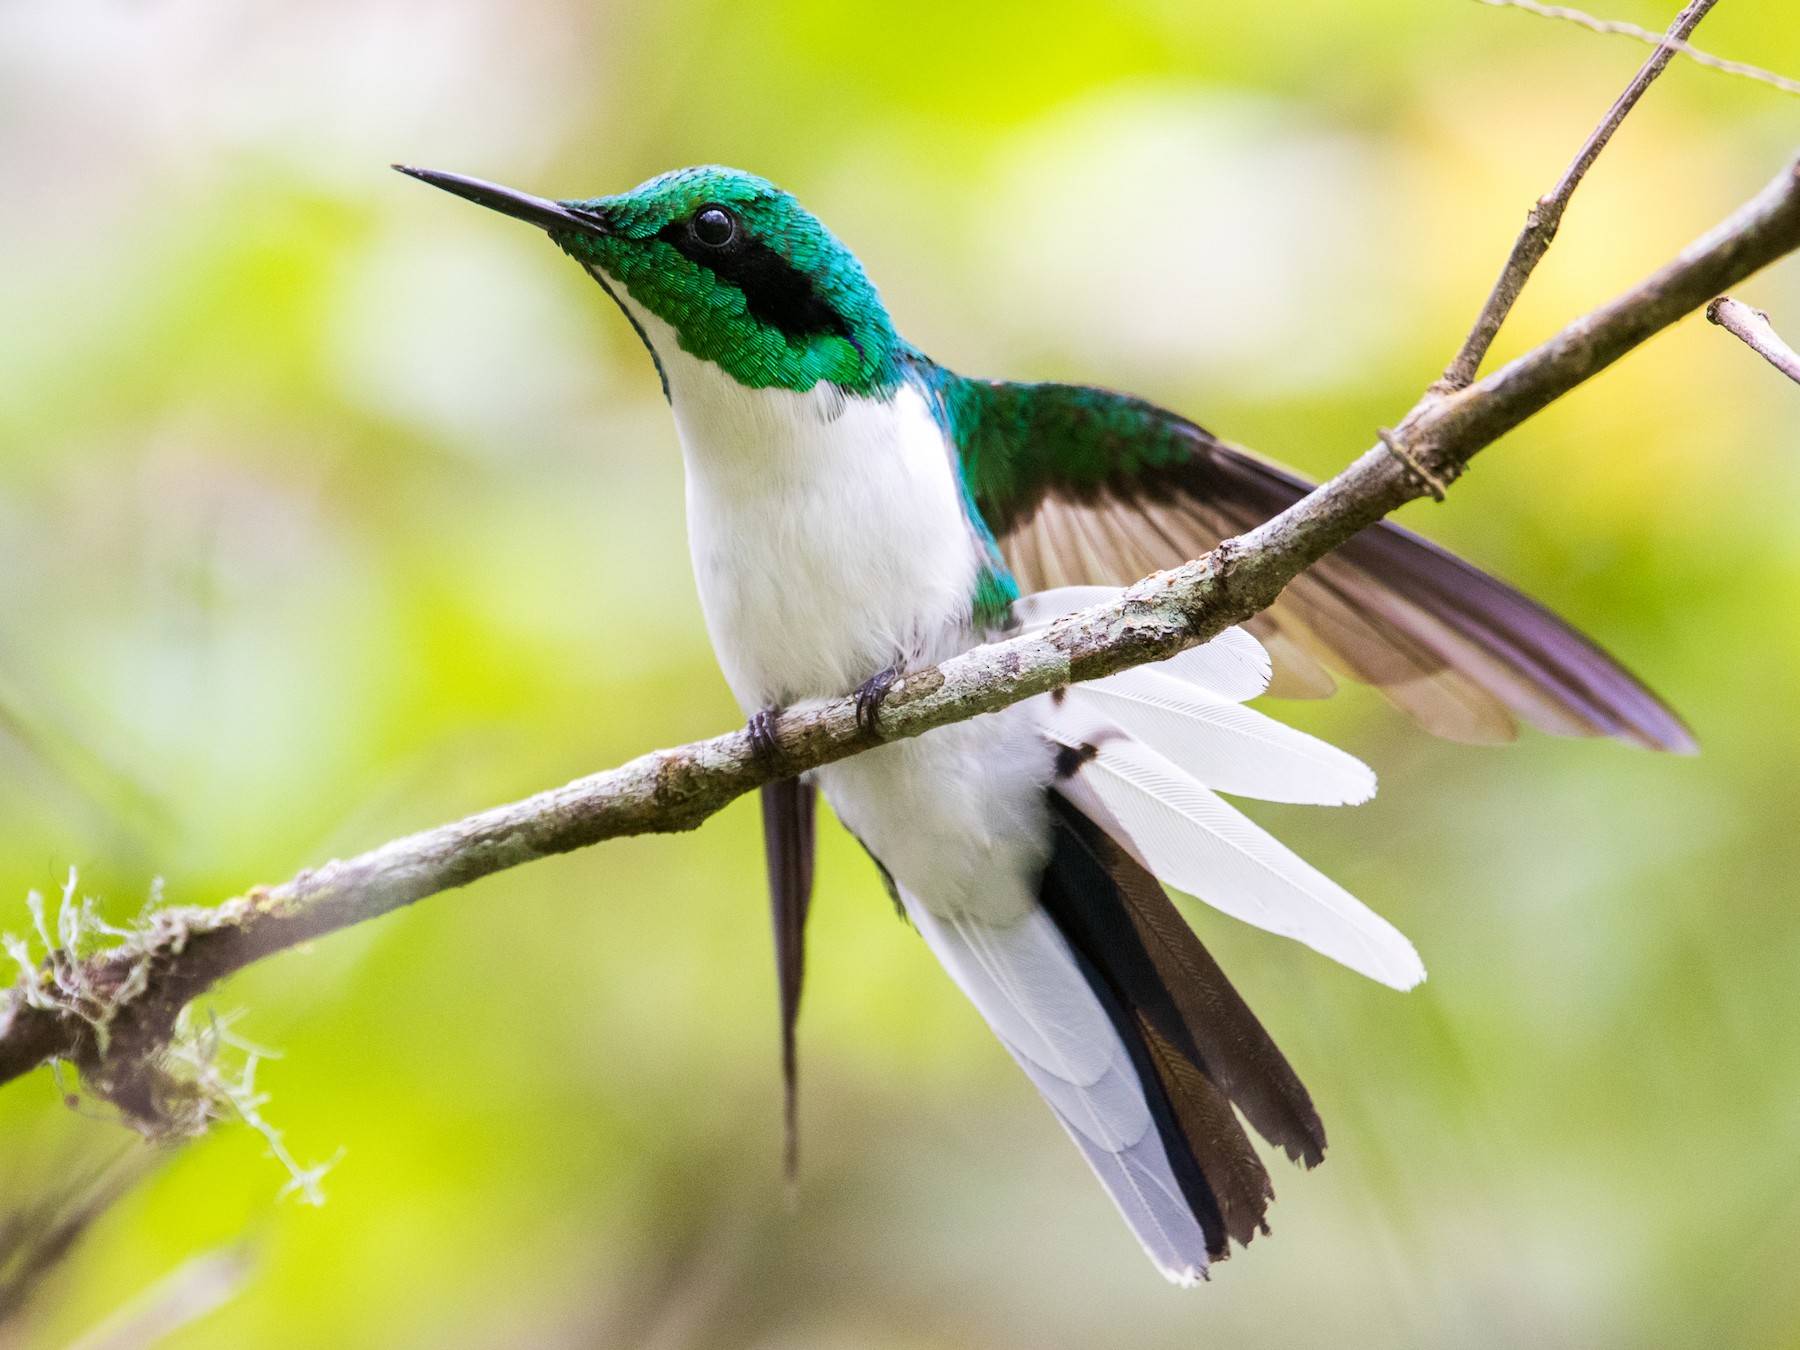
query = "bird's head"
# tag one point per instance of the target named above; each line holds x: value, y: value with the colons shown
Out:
x: 745, y: 276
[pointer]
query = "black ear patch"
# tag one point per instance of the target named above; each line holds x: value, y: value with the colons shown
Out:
x: 777, y: 293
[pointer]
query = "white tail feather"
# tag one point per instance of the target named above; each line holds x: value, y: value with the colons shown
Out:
x: 1040, y: 609
x: 1024, y: 980
x: 1223, y: 745
x: 1192, y: 840
x: 1232, y: 665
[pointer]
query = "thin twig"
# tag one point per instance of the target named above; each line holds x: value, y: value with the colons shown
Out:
x: 1687, y: 49
x: 147, y: 979
x: 1542, y: 221
x: 1753, y: 326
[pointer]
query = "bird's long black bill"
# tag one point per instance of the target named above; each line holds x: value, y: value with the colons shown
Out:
x: 539, y: 211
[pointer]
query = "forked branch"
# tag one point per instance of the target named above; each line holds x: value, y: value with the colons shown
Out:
x: 1545, y: 216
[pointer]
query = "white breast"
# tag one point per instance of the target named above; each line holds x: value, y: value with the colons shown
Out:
x: 829, y: 540
x: 828, y: 533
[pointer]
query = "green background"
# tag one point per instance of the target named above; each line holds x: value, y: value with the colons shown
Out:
x: 331, y: 508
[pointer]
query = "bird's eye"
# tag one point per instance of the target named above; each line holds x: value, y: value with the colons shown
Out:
x: 714, y: 226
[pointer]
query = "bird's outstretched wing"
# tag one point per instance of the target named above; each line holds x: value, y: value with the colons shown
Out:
x: 1084, y: 486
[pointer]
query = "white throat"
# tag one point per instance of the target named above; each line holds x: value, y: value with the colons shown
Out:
x: 827, y: 531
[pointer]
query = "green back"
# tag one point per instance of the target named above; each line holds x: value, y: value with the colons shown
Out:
x: 1021, y: 441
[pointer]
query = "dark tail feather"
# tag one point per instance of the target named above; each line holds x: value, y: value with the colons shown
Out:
x: 1199, y: 1050
x: 1232, y: 1046
x: 787, y: 812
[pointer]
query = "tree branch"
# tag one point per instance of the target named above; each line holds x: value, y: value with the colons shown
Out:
x: 1687, y: 49
x: 1754, y: 328
x: 1545, y: 217
x: 114, y: 1012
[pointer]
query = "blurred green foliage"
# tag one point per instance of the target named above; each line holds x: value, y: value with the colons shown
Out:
x: 331, y: 508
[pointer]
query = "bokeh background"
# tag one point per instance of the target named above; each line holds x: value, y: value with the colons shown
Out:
x: 332, y: 507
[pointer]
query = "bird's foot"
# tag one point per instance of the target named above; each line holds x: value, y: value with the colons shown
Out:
x: 869, y: 695
x: 762, y: 732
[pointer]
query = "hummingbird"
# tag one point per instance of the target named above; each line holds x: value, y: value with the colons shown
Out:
x: 856, y: 510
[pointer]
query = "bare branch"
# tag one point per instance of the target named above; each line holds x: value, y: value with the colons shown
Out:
x: 1687, y: 49
x: 1754, y: 328
x: 1545, y: 217
x: 114, y: 1012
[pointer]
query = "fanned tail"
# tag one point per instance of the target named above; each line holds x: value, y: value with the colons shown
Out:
x: 1079, y: 961
x: 1137, y: 1042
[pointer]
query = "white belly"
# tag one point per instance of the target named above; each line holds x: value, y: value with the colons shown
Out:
x: 957, y: 816
x: 829, y: 541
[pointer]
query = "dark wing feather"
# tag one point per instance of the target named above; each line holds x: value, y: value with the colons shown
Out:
x: 788, y: 834
x: 1086, y: 487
